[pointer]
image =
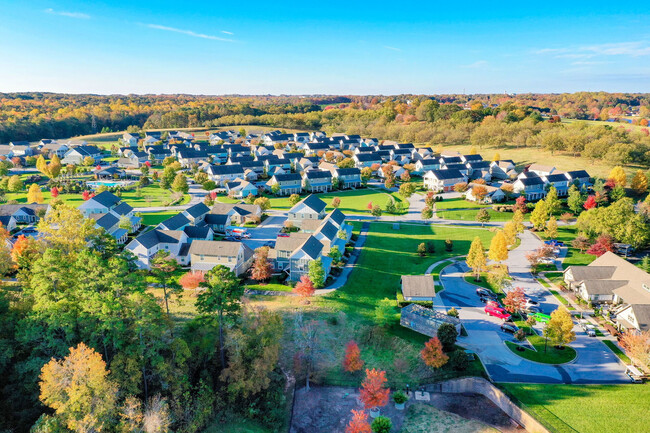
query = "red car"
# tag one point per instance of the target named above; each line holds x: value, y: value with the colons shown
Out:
x: 492, y: 310
x: 283, y: 235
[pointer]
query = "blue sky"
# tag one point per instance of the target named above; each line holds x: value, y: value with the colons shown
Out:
x: 330, y: 47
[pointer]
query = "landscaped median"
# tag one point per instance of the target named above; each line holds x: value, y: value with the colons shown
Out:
x: 543, y: 352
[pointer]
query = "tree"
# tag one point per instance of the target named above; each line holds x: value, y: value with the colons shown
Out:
x: 54, y: 167
x: 617, y: 193
x: 581, y: 243
x: 422, y: 249
x: 639, y: 183
x: 85, y: 195
x: 79, y: 390
x: 483, y: 216
x: 551, y: 228
x: 304, y: 288
x: 376, y: 211
x: 34, y: 194
x: 498, y: 247
x: 373, y: 392
x: 64, y: 228
x: 262, y: 268
x: 221, y: 300
x: 515, y: 300
x: 156, y: 418
x: 54, y: 192
x: 559, y: 328
x: 433, y: 355
x: 460, y: 187
x: 316, y: 273
x: 41, y: 165
x: 306, y: 340
x: 384, y: 312
x: 180, y: 184
x: 575, y: 200
x: 518, y: 221
x: 520, y: 205
x: 335, y: 253
x: 336, y: 202
x: 88, y: 161
x: 447, y: 336
x: 496, y: 157
x: 352, y: 361
x: 191, y: 280
x: 358, y: 423
x: 539, y: 215
x: 366, y: 173
x: 263, y: 202
x: 590, y: 203
x: 553, y: 203
x: 479, y: 192
x: 405, y: 176
x: 426, y: 213
x: 294, y: 199
x: 406, y: 190
x: 15, y: 184
x: 602, y: 245
x: 476, y: 257
x: 381, y: 424
x: 510, y: 232
x: 637, y: 347
x: 253, y: 352
x: 346, y: 163
x: 618, y: 176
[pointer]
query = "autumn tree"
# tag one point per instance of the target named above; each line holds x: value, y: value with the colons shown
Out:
x: 221, y: 299
x: 496, y: 157
x: 336, y: 202
x: 24, y: 252
x: 79, y: 390
x: 54, y: 192
x: 352, y: 361
x: 294, y: 199
x: 639, y: 183
x: 498, y: 251
x: 483, y: 216
x: 433, y: 355
x: 180, y: 183
x: 406, y: 190
x: 559, y: 328
x: 263, y: 202
x: 15, y: 184
x: 590, y: 203
x: 479, y: 192
x: 520, y: 205
x: 358, y: 423
x: 518, y: 221
x: 262, y: 268
x: 515, y: 300
x: 618, y: 176
x: 427, y: 213
x: 510, y: 232
x: 603, y: 244
x: 476, y: 257
x: 551, y: 228
x: 191, y: 280
x: 637, y: 347
x: 65, y: 228
x: 305, y: 288
x: 539, y: 215
x: 581, y: 243
x: 253, y: 352
x: 373, y: 392
x: 54, y: 167
x: 41, y: 165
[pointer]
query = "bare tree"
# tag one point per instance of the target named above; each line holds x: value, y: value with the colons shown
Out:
x: 306, y: 340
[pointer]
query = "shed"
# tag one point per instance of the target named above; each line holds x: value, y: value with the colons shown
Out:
x: 418, y: 288
x: 426, y: 320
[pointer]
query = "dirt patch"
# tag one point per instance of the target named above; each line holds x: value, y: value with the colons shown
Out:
x: 327, y: 410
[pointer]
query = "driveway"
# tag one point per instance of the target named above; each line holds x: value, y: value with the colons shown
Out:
x: 265, y: 232
x: 595, y: 363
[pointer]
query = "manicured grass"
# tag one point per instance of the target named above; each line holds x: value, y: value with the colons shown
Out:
x: 618, y: 352
x: 458, y: 203
x: 586, y: 408
x: 270, y: 286
x: 546, y: 354
x: 561, y: 298
x: 352, y: 201
x: 483, y: 282
x: 574, y: 257
x: 155, y: 218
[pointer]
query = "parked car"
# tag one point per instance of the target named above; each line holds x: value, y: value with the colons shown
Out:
x: 546, y: 261
x: 283, y: 235
x: 531, y: 303
x: 498, y: 312
x: 509, y: 327
x: 532, y: 310
x: 590, y: 330
x: 486, y: 293
x: 541, y: 317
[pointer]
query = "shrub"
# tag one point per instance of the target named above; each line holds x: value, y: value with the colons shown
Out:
x: 399, y: 397
x: 447, y: 335
x: 458, y: 360
x: 381, y: 424
x: 453, y: 312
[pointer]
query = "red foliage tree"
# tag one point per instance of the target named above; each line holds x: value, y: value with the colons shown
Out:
x: 98, y: 168
x: 590, y: 203
x: 262, y: 268
x: 520, y: 204
x: 603, y: 244
x: 336, y: 202
x: 515, y: 300
x: 433, y: 355
x: 191, y: 280
x: 610, y: 183
x: 358, y: 423
x: 85, y: 195
x: 147, y: 163
x: 373, y: 392
x: 213, y: 195
x: 369, y: 207
x: 54, y: 192
x: 304, y: 288
x: 352, y: 361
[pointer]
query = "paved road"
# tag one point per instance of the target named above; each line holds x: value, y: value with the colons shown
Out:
x: 595, y: 362
x: 265, y: 232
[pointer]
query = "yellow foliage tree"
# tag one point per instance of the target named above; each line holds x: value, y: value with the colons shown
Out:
x: 54, y: 167
x: 496, y: 157
x: 41, y: 165
x: 618, y: 175
x: 639, y: 182
x: 476, y: 257
x: 34, y: 194
x: 79, y: 390
x: 559, y: 328
x: 498, y: 247
x: 510, y: 232
x: 473, y: 150
x: 65, y: 228
x: 518, y: 221
x: 551, y: 228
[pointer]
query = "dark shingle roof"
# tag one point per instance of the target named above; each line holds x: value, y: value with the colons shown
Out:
x: 318, y: 174
x: 175, y: 222
x: 154, y: 237
x: 226, y: 169
x: 447, y: 174
x: 195, y: 232
x: 123, y: 208
x: 197, y: 210
x: 107, y: 199
x: 314, y: 203
x: 286, y: 177
x: 107, y: 221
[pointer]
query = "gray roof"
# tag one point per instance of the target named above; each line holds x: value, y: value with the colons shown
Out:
x: 175, y: 222
x: 123, y: 208
x: 312, y: 202
x: 195, y: 232
x: 216, y: 219
x: 108, y: 220
x: 156, y: 236
x: 107, y: 199
x: 197, y: 210
x: 215, y: 248
x: 31, y: 209
x: 418, y: 286
x: 312, y: 247
x: 447, y: 174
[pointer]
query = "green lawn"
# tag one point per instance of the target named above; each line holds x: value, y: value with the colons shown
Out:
x: 618, y: 352
x: 458, y: 203
x: 546, y: 354
x: 574, y: 257
x: 483, y: 282
x: 586, y: 408
x: 470, y: 214
x: 352, y: 201
x: 270, y: 286
x: 435, y: 272
x: 155, y: 218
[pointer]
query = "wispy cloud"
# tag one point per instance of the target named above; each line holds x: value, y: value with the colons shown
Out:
x: 477, y: 64
x: 79, y: 15
x: 226, y: 32
x: 629, y: 49
x: 188, y: 33
x: 388, y: 47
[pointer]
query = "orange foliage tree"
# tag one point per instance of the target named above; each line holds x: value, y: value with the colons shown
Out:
x: 191, y: 280
x: 373, y: 393
x: 433, y: 355
x: 262, y: 268
x: 358, y: 423
x: 352, y: 361
x: 304, y: 288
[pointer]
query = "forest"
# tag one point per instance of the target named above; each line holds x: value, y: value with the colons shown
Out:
x: 527, y: 120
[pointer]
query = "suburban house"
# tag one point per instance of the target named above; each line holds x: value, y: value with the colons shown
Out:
x: 541, y: 170
x: 189, y: 156
x: 472, y: 158
x: 240, y: 188
x: 494, y: 194
x: 8, y: 222
x: 103, y: 202
x: 443, y: 180
x: 362, y: 160
x: 131, y: 138
x: 196, y: 213
x: 531, y: 187
x: 205, y: 255
x: 418, y: 288
x: 347, y: 177
x: 317, y: 181
x: 53, y: 147
x: 289, y: 183
x: 76, y: 155
x: 396, y: 170
x: 24, y: 213
x: 424, y: 165
x: 221, y: 174
x: 294, y: 253
x: 236, y: 213
x: 579, y: 177
x: 112, y: 214
x: 611, y: 279
x: 559, y: 181
x: 503, y: 169
x: 146, y: 245
x: 309, y: 208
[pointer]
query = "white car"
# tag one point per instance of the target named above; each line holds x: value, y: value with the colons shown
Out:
x: 590, y: 330
x: 531, y: 303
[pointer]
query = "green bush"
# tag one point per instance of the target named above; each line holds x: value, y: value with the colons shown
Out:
x: 458, y: 360
x: 381, y: 424
x: 447, y: 335
x: 399, y: 397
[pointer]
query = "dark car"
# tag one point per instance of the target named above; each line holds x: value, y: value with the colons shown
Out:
x: 485, y: 293
x: 509, y: 327
x: 532, y: 309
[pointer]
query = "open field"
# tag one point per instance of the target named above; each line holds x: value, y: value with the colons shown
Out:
x: 352, y: 201
x: 586, y: 408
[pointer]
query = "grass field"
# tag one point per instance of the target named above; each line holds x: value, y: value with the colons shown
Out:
x: 422, y: 418
x: 543, y: 353
x: 574, y: 257
x: 352, y: 201
x: 155, y: 218
x: 586, y: 408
